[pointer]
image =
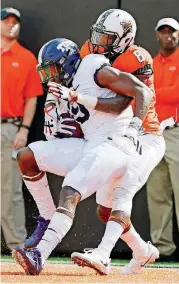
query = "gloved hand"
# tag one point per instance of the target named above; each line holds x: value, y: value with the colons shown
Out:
x: 55, y: 123
x: 62, y: 92
x: 51, y: 119
x: 72, y: 96
x: 129, y: 141
x: 133, y: 129
x: 132, y: 133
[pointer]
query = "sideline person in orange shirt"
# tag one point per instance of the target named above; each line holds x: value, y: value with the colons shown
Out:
x: 20, y: 88
x: 163, y: 183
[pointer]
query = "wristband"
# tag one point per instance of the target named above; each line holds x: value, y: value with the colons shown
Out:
x: 88, y: 101
x: 25, y: 126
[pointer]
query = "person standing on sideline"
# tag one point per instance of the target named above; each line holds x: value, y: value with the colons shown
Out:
x: 163, y: 183
x: 20, y: 88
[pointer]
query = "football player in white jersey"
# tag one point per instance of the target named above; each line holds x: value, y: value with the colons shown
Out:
x: 108, y: 36
x: 55, y: 157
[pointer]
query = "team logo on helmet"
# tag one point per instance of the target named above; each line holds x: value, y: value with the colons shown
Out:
x: 66, y: 45
x: 127, y: 26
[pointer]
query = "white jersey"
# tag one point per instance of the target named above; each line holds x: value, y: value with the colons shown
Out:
x: 95, y: 123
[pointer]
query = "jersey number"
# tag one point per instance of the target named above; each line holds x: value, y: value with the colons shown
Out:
x: 139, y: 56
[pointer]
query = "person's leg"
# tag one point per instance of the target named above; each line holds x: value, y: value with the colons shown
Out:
x: 57, y: 156
x: 129, y: 235
x: 175, y: 182
x: 153, y: 151
x: 118, y: 226
x: 172, y: 158
x: 18, y: 203
x: 12, y: 202
x: 36, y: 182
x: 99, y: 258
x: 33, y: 260
x: 121, y: 212
x: 61, y: 221
x: 117, y: 220
x: 101, y: 166
x: 74, y: 188
x: 129, y: 184
x: 160, y: 204
x: 153, y: 148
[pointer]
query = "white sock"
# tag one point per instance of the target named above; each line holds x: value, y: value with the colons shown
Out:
x: 59, y: 226
x: 135, y: 242
x: 41, y: 193
x: 112, y: 234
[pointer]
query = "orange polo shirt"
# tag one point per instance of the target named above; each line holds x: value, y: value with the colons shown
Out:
x: 19, y: 80
x: 166, y: 81
x: 131, y: 61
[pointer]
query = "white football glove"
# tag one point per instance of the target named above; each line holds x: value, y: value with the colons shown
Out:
x: 132, y: 133
x: 129, y: 141
x: 64, y: 128
x: 50, y: 126
x: 54, y: 123
x: 62, y: 92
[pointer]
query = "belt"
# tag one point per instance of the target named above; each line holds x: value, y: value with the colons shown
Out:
x: 14, y: 120
x: 172, y: 126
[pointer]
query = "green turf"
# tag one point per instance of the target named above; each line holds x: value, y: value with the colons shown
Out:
x: 116, y: 262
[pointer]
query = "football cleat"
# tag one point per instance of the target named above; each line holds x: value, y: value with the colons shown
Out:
x: 136, y: 264
x: 93, y: 259
x: 37, y: 235
x: 30, y: 260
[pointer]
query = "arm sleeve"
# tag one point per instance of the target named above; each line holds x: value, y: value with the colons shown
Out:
x: 33, y: 85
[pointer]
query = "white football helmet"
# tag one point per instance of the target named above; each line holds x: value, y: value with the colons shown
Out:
x: 113, y: 32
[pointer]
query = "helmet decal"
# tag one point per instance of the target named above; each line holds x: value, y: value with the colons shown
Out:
x: 127, y: 26
x: 103, y: 18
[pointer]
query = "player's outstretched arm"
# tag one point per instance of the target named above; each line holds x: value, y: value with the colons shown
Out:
x: 126, y: 84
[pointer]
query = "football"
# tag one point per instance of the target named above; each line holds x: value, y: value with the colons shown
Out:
x: 76, y: 133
